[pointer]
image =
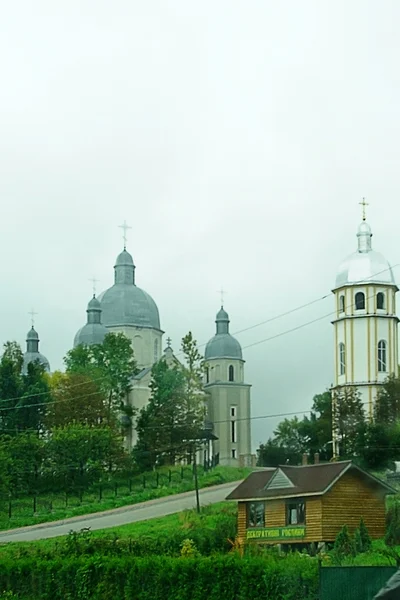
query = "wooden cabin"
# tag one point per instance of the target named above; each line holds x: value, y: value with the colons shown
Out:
x: 309, y: 503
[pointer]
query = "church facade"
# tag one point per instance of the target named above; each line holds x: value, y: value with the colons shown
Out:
x: 126, y: 308
x: 365, y: 323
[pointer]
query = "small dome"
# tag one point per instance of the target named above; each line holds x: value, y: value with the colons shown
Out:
x: 31, y: 357
x: 94, y: 331
x: 94, y: 304
x: 366, y: 265
x: 124, y: 259
x: 223, y: 344
x: 32, y: 334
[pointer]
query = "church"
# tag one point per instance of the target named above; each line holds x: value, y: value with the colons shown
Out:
x: 365, y: 322
x: 126, y: 308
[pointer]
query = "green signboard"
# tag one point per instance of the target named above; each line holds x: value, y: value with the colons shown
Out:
x: 276, y: 533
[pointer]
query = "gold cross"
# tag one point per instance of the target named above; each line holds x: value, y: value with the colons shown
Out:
x: 125, y: 228
x: 33, y: 313
x: 364, y: 204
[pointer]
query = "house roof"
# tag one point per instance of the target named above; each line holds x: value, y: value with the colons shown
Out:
x: 288, y: 481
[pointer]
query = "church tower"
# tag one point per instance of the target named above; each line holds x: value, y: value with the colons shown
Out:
x: 228, y: 405
x: 128, y: 309
x: 365, y: 323
x: 94, y: 331
x: 32, y: 353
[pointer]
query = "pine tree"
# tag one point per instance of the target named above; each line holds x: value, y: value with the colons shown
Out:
x: 344, y: 544
x: 348, y: 421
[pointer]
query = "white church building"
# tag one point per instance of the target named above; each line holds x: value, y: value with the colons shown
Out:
x: 365, y: 323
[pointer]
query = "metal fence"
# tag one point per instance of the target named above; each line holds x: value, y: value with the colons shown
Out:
x: 352, y: 583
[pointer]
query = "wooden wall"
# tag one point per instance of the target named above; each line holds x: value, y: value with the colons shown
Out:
x: 350, y: 499
x: 242, y: 520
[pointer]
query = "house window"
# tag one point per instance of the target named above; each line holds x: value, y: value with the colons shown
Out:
x: 233, y: 432
x: 382, y: 356
x: 207, y: 375
x: 360, y: 301
x: 380, y: 301
x: 231, y: 373
x: 233, y: 411
x: 233, y: 453
x: 295, y: 512
x: 342, y: 359
x: 255, y: 514
x: 341, y: 304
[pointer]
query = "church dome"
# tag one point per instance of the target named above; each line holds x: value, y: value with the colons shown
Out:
x: 365, y: 265
x: 94, y: 331
x: 125, y: 303
x: 32, y: 353
x: 223, y: 344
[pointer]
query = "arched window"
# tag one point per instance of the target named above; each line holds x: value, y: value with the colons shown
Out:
x: 380, y: 301
x: 360, y: 301
x: 341, y: 303
x: 382, y: 356
x: 155, y: 350
x: 231, y: 373
x: 207, y: 374
x: 342, y: 359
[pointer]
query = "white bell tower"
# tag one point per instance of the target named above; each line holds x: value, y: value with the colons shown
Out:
x: 365, y: 324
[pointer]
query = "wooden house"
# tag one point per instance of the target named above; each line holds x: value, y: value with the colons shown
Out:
x: 309, y: 503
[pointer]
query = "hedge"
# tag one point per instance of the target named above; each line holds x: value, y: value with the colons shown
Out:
x: 157, y: 578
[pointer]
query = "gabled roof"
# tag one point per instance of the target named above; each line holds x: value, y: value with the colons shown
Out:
x: 288, y: 481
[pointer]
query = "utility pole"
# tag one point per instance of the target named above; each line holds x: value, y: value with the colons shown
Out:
x: 196, y: 481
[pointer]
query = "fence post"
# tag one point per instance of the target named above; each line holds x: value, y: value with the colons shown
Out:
x: 51, y: 505
x: 144, y: 482
x: 100, y: 492
x: 34, y: 504
x: 130, y: 486
x: 9, y: 507
x: 169, y: 476
x: 181, y: 472
x: 116, y: 489
x: 157, y: 478
x: 66, y: 498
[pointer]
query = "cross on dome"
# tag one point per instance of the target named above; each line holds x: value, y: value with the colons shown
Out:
x: 125, y: 228
x: 222, y: 293
x: 364, y: 204
x: 94, y: 281
x: 169, y: 342
x: 33, y: 313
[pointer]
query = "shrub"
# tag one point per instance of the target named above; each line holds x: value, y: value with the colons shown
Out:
x: 188, y: 549
x: 392, y: 537
x: 344, y: 544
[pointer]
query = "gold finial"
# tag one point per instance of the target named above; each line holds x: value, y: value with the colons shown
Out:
x: 125, y: 228
x: 33, y: 313
x: 364, y: 204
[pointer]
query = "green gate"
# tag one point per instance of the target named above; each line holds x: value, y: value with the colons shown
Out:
x: 352, y: 583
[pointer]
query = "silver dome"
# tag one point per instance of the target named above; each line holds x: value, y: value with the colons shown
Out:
x: 126, y: 304
x: 32, y: 353
x: 223, y: 344
x: 94, y: 331
x: 365, y: 265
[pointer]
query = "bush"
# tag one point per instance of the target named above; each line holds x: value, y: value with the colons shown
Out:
x: 157, y: 578
x: 392, y: 537
x: 344, y: 544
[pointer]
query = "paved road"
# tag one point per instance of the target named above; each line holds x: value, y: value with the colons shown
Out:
x: 119, y: 516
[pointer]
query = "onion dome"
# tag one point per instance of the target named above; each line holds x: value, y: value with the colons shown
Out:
x: 223, y: 344
x: 94, y: 331
x: 32, y: 353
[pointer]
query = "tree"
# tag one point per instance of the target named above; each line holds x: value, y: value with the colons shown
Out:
x: 387, y: 406
x: 161, y: 425
x: 77, y: 398
x: 10, y: 385
x: 30, y: 409
x: 348, y: 422
x: 377, y: 450
x: 272, y: 454
x: 111, y: 365
x: 25, y: 454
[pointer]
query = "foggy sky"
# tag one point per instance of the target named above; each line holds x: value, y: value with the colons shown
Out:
x: 235, y: 137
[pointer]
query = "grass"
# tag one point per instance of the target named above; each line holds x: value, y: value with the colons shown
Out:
x: 53, y: 508
x: 162, y: 527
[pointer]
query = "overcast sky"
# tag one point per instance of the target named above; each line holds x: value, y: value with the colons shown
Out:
x: 236, y: 137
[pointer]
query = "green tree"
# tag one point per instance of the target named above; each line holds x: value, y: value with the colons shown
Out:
x: 25, y: 455
x: 377, y: 450
x: 161, y: 425
x: 288, y: 435
x: 77, y: 398
x: 272, y: 454
x: 30, y: 409
x: 348, y: 422
x: 112, y: 365
x: 387, y: 406
x: 344, y: 544
x: 10, y: 385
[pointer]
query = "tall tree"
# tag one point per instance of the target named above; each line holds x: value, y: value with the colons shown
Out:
x: 387, y: 406
x: 348, y: 421
x: 272, y: 454
x: 288, y: 436
x: 194, y: 396
x: 111, y: 364
x: 30, y: 410
x: 77, y: 398
x: 161, y: 426
x: 10, y: 385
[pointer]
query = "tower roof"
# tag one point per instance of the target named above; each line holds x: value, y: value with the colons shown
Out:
x: 32, y: 353
x: 223, y: 344
x: 125, y: 303
x: 94, y: 331
x: 365, y: 265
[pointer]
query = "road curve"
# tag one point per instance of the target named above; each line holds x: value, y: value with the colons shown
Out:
x: 120, y: 516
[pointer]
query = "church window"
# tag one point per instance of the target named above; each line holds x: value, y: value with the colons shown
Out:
x: 231, y: 373
x: 382, y: 356
x: 233, y: 453
x: 341, y: 302
x: 360, y: 301
x: 380, y: 301
x: 233, y: 411
x: 342, y: 359
x: 155, y: 350
x: 207, y: 375
x: 233, y: 432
